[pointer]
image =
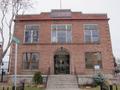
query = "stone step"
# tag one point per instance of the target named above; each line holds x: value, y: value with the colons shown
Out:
x: 61, y: 82
x: 62, y: 76
x: 64, y: 86
x: 62, y: 89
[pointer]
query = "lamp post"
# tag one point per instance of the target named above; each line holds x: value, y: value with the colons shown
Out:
x: 16, y: 41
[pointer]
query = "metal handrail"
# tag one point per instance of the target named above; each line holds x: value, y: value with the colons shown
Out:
x: 77, y: 77
x: 47, y: 77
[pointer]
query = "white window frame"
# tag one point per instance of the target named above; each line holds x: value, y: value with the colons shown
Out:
x: 31, y: 33
x: 23, y: 62
x: 100, y: 64
x: 57, y: 33
x: 91, y: 36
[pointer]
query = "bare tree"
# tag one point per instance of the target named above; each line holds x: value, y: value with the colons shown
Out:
x: 9, y: 9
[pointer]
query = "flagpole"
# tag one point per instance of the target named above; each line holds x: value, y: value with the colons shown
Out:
x: 60, y: 4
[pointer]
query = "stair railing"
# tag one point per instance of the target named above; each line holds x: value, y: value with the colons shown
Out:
x: 77, y: 78
x: 48, y: 73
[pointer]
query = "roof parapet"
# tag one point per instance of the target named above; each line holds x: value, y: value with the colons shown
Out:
x: 61, y: 13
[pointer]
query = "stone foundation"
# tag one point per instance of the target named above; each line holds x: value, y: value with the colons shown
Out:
x: 27, y: 78
x: 87, y: 79
x: 82, y: 79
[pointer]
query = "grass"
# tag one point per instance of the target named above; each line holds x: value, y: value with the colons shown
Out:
x: 98, y: 88
x: 26, y: 88
x: 114, y: 88
x: 33, y: 88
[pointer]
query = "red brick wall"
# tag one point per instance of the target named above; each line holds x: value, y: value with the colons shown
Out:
x: 76, y: 49
x: 0, y: 53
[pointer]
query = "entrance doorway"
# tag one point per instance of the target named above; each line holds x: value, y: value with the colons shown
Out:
x: 61, y: 62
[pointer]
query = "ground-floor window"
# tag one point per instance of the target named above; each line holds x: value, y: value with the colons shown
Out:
x: 93, y: 59
x: 30, y: 60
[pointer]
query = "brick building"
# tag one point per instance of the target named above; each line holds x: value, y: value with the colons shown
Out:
x: 63, y: 42
x: 0, y: 53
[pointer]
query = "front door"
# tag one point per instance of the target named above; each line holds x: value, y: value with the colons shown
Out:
x: 61, y: 64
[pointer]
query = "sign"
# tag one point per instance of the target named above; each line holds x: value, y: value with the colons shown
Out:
x: 66, y: 13
x: 16, y: 40
x: 97, y: 67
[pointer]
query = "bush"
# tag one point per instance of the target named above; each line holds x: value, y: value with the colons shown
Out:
x: 100, y: 80
x: 37, y: 78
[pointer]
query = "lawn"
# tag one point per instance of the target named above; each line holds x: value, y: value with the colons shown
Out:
x: 26, y: 88
x: 98, y: 88
x: 114, y: 88
x: 33, y: 88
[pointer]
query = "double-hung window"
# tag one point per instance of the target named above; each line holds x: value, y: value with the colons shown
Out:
x: 91, y: 33
x: 93, y: 59
x: 61, y: 33
x: 31, y: 34
x: 30, y: 60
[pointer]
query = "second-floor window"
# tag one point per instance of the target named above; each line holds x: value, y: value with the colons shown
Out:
x: 91, y: 33
x: 61, y: 33
x: 31, y: 34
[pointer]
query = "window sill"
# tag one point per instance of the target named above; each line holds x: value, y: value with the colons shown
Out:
x: 30, y: 43
x: 53, y: 43
x: 92, y: 69
x: 29, y: 70
x: 92, y: 43
x: 60, y: 43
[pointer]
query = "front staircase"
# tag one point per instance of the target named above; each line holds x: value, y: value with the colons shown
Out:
x: 62, y: 82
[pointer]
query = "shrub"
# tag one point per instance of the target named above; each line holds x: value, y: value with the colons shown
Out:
x: 37, y: 78
x: 100, y: 80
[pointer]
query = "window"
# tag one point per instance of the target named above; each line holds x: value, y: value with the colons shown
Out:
x: 61, y: 33
x: 92, y: 59
x: 30, y: 60
x: 31, y: 34
x: 91, y: 33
